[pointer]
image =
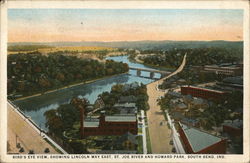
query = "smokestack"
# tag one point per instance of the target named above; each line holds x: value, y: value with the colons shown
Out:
x: 81, y: 105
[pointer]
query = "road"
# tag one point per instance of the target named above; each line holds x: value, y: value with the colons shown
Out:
x: 20, y: 131
x: 160, y: 135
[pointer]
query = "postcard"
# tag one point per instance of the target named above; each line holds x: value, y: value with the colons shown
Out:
x: 125, y: 81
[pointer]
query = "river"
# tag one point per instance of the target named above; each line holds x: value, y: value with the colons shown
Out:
x: 36, y: 106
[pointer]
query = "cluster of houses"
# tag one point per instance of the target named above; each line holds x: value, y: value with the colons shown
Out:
x: 197, y: 99
x: 116, y: 124
x: 124, y: 124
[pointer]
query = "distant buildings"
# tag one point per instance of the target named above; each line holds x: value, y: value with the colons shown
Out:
x: 205, y: 93
x: 196, y: 141
x: 225, y: 69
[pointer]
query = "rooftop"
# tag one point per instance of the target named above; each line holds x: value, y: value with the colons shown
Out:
x: 172, y: 93
x: 198, y: 101
x: 182, y: 106
x: 199, y: 139
x: 202, y: 88
x: 117, y: 118
x: 125, y: 105
x: 128, y: 136
x: 223, y: 66
x: 125, y: 99
x: 235, y: 124
x: 91, y: 122
x: 234, y: 80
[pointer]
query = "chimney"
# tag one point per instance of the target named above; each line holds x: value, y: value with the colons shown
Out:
x: 81, y: 105
x: 102, y: 117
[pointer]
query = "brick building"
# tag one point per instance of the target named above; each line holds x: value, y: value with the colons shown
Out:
x: 196, y: 141
x: 110, y: 125
x: 233, y: 128
x: 205, y: 93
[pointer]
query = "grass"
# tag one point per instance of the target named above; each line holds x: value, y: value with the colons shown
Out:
x: 140, y: 145
x: 148, y: 137
x: 139, y: 130
x: 148, y: 141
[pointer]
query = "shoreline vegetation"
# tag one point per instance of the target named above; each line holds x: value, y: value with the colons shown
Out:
x: 132, y: 59
x: 34, y: 74
x: 68, y: 86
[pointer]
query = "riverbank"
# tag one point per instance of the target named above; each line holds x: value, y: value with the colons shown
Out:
x: 137, y: 60
x: 68, y: 86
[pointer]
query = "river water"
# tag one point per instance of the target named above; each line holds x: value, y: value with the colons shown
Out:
x: 36, y: 106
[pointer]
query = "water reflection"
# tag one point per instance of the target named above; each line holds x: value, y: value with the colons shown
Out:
x: 36, y: 106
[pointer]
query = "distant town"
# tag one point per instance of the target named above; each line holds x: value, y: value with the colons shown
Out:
x: 160, y: 101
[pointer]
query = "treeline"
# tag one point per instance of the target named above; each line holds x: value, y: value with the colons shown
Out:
x: 201, y: 56
x: 35, y: 73
x: 17, y: 48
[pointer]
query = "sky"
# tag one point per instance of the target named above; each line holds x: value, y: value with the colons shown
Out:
x: 56, y: 25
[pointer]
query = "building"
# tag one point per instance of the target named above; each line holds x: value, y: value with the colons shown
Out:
x: 127, y: 99
x: 225, y: 69
x: 174, y: 94
x: 127, y: 141
x: 233, y: 128
x: 126, y: 108
x: 205, y: 93
x: 196, y: 141
x: 190, y: 122
x: 110, y: 125
x: 232, y: 83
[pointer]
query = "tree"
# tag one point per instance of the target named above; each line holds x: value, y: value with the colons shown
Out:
x: 69, y: 114
x: 78, y: 147
x: 53, y: 122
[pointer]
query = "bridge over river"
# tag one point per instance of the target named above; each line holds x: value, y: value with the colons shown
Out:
x: 151, y: 71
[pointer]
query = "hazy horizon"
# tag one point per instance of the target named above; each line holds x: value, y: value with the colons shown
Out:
x: 132, y: 41
x: 118, y: 25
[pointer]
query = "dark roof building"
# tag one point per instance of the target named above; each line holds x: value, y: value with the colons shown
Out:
x: 127, y: 99
x: 232, y: 83
x: 126, y: 108
x: 128, y: 137
x: 196, y: 141
x: 127, y: 141
x: 233, y: 128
